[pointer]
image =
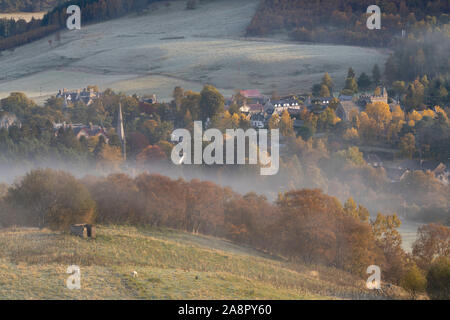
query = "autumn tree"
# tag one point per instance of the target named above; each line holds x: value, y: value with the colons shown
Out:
x: 422, y: 188
x: 211, y: 102
x: 286, y: 124
x: 274, y: 121
x: 136, y: 141
x: 351, y: 87
x: 205, y: 207
x: 351, y: 134
x: 414, y: 95
x: 328, y: 83
x: 375, y: 120
x: 52, y: 199
x: 239, y: 99
x: 327, y: 119
x: 117, y: 199
x: 17, y: 103
x: 306, y: 225
x: 433, y: 241
x: 350, y: 208
x: 355, y: 245
x: 110, y: 158
x: 324, y: 91
x: 408, y: 145
x: 191, y: 103
x: 389, y: 241
x: 353, y: 155
x: 150, y: 155
x: 157, y: 194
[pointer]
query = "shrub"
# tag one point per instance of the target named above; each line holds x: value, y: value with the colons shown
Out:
x: 413, y: 281
x: 53, y: 199
x: 438, y: 278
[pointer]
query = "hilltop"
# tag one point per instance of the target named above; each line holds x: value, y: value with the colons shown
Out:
x: 170, y: 265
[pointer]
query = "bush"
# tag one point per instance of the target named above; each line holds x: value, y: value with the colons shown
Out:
x: 414, y: 281
x: 438, y: 278
x: 48, y: 198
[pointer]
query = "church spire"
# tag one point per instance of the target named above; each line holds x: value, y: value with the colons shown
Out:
x: 121, y: 132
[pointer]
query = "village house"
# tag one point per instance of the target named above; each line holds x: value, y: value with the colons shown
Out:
x: 373, y: 160
x: 279, y: 106
x: 85, y: 95
x: 367, y: 99
x: 254, y: 101
x: 252, y: 108
x: 440, y: 171
x: 397, y: 170
x: 294, y: 112
x: 321, y: 100
x: 81, y: 130
x: 149, y: 99
x: 254, y: 96
x: 317, y: 108
x: 349, y: 105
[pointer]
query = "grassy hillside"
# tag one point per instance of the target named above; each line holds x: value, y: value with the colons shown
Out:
x: 135, y: 54
x: 170, y: 265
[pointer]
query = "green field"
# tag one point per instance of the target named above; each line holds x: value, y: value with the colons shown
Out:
x: 169, y: 265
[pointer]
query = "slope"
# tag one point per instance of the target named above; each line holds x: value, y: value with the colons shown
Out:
x: 166, y: 46
x: 169, y: 264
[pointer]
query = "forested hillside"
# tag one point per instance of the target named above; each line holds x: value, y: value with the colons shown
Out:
x: 344, y: 21
x: 28, y: 5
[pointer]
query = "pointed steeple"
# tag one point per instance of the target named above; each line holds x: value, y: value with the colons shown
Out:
x: 121, y: 132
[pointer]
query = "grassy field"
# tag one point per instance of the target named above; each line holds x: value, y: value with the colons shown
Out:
x: 167, y: 46
x: 170, y: 265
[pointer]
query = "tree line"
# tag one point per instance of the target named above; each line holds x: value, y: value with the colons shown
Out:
x: 27, y: 5
x: 344, y: 22
x: 301, y: 225
x: 91, y: 11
